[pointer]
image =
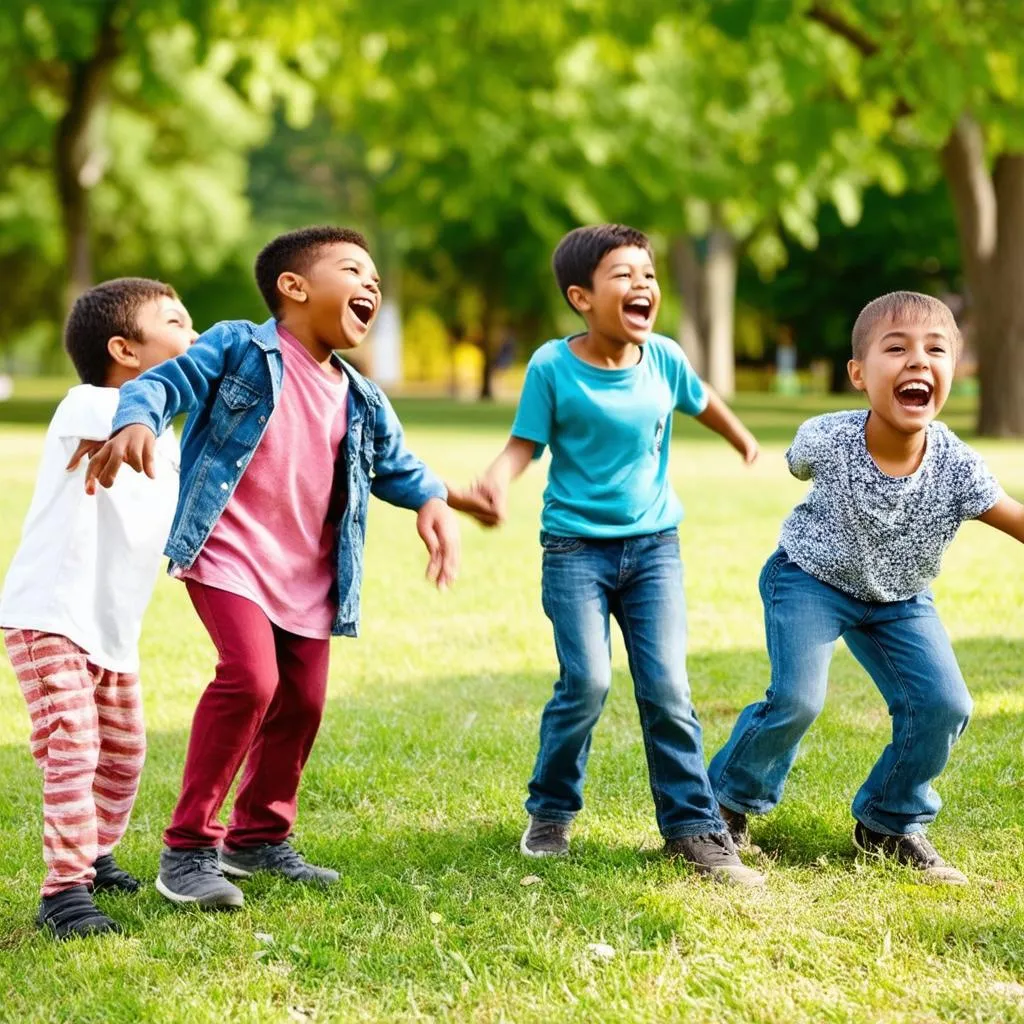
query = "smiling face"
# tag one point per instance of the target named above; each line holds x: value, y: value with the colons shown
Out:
x: 343, y: 292
x: 622, y: 301
x: 162, y: 330
x: 906, y: 369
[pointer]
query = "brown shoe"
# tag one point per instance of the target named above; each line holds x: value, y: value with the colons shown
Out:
x: 713, y: 853
x: 914, y: 850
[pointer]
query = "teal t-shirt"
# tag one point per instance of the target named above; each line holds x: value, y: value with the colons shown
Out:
x: 608, y: 431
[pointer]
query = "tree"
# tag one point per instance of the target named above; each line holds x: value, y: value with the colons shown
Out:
x: 940, y: 77
x: 127, y: 129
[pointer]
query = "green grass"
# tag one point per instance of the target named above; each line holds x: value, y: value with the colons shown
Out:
x: 415, y: 789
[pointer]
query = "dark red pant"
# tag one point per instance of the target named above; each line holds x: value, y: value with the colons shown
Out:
x: 264, y: 706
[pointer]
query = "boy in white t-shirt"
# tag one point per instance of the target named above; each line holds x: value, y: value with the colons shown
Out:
x: 75, y: 594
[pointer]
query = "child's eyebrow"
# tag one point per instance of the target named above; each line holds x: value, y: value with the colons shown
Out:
x: 358, y: 263
x: 906, y: 334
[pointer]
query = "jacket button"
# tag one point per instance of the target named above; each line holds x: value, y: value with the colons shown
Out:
x: 223, y: 487
x: 263, y: 419
x: 239, y: 463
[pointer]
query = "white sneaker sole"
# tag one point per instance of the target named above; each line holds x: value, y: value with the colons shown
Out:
x: 228, y: 901
x: 535, y: 854
x: 230, y: 869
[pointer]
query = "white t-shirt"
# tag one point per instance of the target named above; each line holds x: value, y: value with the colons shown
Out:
x: 87, y: 564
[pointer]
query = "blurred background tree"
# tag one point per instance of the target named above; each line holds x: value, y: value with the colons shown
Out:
x: 790, y: 158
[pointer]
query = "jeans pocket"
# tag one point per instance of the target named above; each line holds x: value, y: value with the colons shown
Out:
x: 555, y: 545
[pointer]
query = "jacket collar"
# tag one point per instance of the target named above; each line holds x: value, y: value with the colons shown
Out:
x: 269, y: 340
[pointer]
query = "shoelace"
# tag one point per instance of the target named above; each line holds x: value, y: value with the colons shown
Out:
x: 719, y: 839
x: 284, y: 855
x: 542, y: 830
x: 926, y: 852
x: 206, y: 861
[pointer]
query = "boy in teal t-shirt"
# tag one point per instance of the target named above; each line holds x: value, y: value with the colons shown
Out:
x: 602, y: 401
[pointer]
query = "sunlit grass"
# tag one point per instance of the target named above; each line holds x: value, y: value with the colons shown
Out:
x: 415, y: 788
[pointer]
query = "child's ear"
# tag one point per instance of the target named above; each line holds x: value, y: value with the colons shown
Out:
x: 579, y: 297
x: 293, y: 286
x: 856, y: 374
x: 122, y: 351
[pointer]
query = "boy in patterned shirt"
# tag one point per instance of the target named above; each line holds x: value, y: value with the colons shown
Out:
x: 890, y: 488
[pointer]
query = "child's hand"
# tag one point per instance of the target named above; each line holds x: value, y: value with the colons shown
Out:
x: 85, y: 447
x: 134, y: 445
x: 472, y: 502
x: 492, y: 495
x: 439, y: 530
x: 748, y: 448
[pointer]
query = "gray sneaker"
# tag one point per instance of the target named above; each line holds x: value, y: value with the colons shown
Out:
x: 276, y: 859
x: 193, y: 876
x: 545, y: 839
x: 714, y: 854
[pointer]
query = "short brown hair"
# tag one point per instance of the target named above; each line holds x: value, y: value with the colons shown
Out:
x: 106, y: 311
x: 911, y: 306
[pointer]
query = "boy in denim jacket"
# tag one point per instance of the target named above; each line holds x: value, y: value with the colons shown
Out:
x: 283, y: 446
x: 890, y: 488
x: 603, y: 402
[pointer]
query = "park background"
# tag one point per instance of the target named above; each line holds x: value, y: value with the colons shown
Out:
x: 791, y: 160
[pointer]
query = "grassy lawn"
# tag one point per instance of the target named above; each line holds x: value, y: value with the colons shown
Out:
x: 415, y: 789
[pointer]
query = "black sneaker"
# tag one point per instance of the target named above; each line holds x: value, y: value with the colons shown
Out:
x: 276, y: 859
x: 739, y: 832
x: 193, y: 876
x: 110, y: 877
x: 71, y: 914
x: 545, y: 838
x: 713, y: 853
x: 914, y: 850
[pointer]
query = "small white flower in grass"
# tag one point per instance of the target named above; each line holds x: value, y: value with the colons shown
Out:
x: 435, y: 917
x: 530, y: 880
x: 601, y: 950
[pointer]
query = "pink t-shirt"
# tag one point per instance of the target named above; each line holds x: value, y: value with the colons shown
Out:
x: 275, y: 540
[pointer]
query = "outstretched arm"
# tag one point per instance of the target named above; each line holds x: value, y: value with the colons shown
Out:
x: 1007, y: 514
x: 717, y: 416
x: 487, y: 499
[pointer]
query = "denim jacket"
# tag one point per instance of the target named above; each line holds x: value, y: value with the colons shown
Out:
x: 228, y: 382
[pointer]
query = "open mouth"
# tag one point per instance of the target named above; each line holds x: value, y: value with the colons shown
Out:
x: 914, y: 394
x: 637, y: 312
x: 363, y: 310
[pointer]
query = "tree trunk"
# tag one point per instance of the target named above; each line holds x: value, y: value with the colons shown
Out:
x: 990, y: 222
x: 720, y: 299
x: 77, y: 159
x: 708, y: 290
x: 690, y: 282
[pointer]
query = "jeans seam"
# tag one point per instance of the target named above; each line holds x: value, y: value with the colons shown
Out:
x: 748, y: 734
x: 652, y: 770
x: 874, y: 801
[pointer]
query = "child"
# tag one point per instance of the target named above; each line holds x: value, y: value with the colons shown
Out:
x: 283, y: 446
x: 603, y: 402
x: 74, y: 598
x: 890, y: 488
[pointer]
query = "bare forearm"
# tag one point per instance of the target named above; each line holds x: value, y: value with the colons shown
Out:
x: 1007, y: 515
x: 511, y: 463
x: 722, y: 420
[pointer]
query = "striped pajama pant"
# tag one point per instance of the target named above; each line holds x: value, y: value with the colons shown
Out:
x: 88, y: 738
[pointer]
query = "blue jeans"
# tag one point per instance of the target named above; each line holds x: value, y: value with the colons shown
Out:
x: 639, y: 581
x: 907, y: 653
